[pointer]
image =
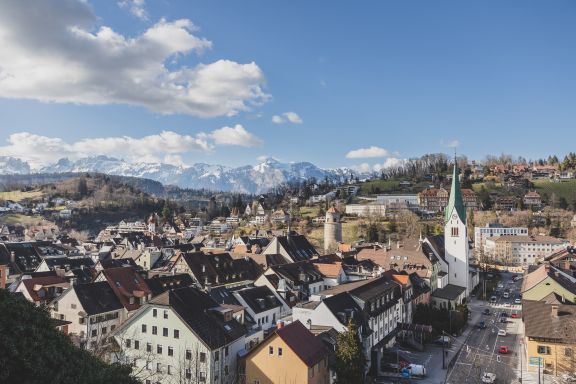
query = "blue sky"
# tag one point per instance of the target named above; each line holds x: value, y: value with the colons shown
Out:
x: 401, y: 78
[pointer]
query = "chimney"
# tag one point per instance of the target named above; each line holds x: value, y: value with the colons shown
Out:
x: 12, y: 257
x: 398, y: 244
x: 554, y: 308
x: 279, y: 324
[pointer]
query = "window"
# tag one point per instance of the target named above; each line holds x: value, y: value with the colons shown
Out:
x: 165, y: 314
x: 148, y: 347
x: 112, y: 327
x: 188, y: 354
x: 154, y: 330
x: 568, y: 352
x: 94, y: 332
x: 279, y: 352
x: 270, y: 350
x: 143, y: 328
x: 202, y: 357
x: 165, y: 332
x: 154, y: 312
x: 226, y: 370
x: 454, y: 231
x: 188, y: 373
x: 543, y: 350
x: 73, y: 306
x: 170, y: 351
x: 176, y: 334
x: 104, y: 330
x: 158, y: 367
x: 169, y: 369
x: 226, y: 351
x: 159, y: 349
x: 216, y: 355
x: 128, y: 343
x: 136, y: 344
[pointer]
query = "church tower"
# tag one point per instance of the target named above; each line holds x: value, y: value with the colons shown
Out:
x: 332, y: 230
x: 456, y: 236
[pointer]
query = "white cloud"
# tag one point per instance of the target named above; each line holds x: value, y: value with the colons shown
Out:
x: 167, y: 146
x: 453, y: 144
x: 373, y: 151
x: 390, y: 162
x: 287, y: 117
x: 236, y: 135
x: 135, y: 7
x: 55, y: 51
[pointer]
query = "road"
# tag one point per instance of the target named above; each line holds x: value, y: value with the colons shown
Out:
x: 479, y: 353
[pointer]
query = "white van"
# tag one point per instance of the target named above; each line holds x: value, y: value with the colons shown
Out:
x: 417, y: 370
x: 502, y: 332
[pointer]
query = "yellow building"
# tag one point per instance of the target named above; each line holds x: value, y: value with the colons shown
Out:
x: 290, y: 355
x: 550, y: 335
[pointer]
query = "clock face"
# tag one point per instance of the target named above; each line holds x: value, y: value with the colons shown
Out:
x: 454, y: 216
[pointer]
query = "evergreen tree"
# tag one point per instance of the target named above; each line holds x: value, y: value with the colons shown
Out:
x: 563, y: 203
x: 166, y: 211
x: 82, y: 187
x: 372, y: 233
x: 350, y: 359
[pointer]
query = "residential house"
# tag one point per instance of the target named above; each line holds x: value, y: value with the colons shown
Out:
x: 262, y: 304
x: 436, y: 199
x: 505, y: 203
x: 41, y: 290
x: 546, y: 280
x: 294, y: 281
x: 291, y: 354
x: 93, y: 310
x: 549, y: 336
x: 292, y: 246
x: 182, y: 334
x: 532, y: 199
x: 130, y: 288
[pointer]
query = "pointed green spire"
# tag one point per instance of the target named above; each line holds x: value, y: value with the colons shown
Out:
x: 455, y: 199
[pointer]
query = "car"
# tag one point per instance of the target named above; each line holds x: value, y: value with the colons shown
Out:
x: 504, y: 314
x: 506, y: 295
x: 500, y: 285
x: 488, y: 378
x: 502, y: 332
x: 442, y: 340
x: 514, y: 316
x: 486, y: 312
x: 503, y: 349
x: 481, y: 324
x: 517, y: 301
x: 493, y: 299
x: 417, y: 370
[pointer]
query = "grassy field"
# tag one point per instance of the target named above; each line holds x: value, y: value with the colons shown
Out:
x: 14, y: 218
x: 379, y: 186
x: 564, y: 188
x: 309, y: 211
x: 18, y: 196
x: 349, y: 233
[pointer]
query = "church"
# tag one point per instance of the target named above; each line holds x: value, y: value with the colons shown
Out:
x: 456, y: 279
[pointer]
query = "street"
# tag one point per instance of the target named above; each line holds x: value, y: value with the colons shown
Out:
x: 480, y: 352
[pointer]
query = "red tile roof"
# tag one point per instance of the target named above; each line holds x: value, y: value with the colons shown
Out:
x: 303, y: 343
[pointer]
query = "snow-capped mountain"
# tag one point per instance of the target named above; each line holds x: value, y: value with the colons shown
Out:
x: 13, y: 166
x: 247, y: 179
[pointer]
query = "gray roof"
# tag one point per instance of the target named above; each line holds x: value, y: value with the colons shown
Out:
x: 449, y: 292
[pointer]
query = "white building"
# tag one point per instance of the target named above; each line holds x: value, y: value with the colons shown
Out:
x: 522, y: 250
x: 182, y: 335
x: 261, y: 304
x: 494, y: 230
x: 366, y: 209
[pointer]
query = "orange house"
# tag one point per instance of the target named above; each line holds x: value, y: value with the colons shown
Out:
x: 291, y: 354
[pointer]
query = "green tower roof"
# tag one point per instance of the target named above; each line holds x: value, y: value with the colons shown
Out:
x: 455, y: 200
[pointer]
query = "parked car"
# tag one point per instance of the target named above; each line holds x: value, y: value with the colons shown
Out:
x: 488, y: 378
x: 443, y: 340
x: 506, y: 295
x: 514, y: 316
x: 417, y: 370
x: 493, y: 299
x: 503, y: 349
x: 486, y: 312
x: 504, y: 314
x: 500, y: 285
x: 507, y: 304
x: 482, y: 324
x: 517, y: 301
x: 502, y: 332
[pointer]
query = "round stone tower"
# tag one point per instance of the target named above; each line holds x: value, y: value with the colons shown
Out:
x: 332, y: 230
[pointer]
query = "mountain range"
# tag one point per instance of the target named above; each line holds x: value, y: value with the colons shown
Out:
x: 245, y: 179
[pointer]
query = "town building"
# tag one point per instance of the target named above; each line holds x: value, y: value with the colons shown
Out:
x: 364, y: 210
x: 436, y: 199
x: 291, y: 354
x: 494, y: 230
x: 522, y: 249
x: 532, y: 199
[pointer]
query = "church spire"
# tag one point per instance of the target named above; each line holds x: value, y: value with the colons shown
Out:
x: 455, y: 201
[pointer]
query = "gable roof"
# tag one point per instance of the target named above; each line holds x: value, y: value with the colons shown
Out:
x: 126, y: 283
x: 97, y: 298
x: 540, y: 321
x: 303, y: 343
x: 160, y: 284
x: 220, y: 268
x: 36, y: 285
x: 343, y: 306
x: 259, y: 299
x: 297, y: 247
x: 329, y: 270
x: 202, y: 314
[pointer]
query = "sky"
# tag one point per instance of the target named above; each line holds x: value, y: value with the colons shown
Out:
x: 345, y: 83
